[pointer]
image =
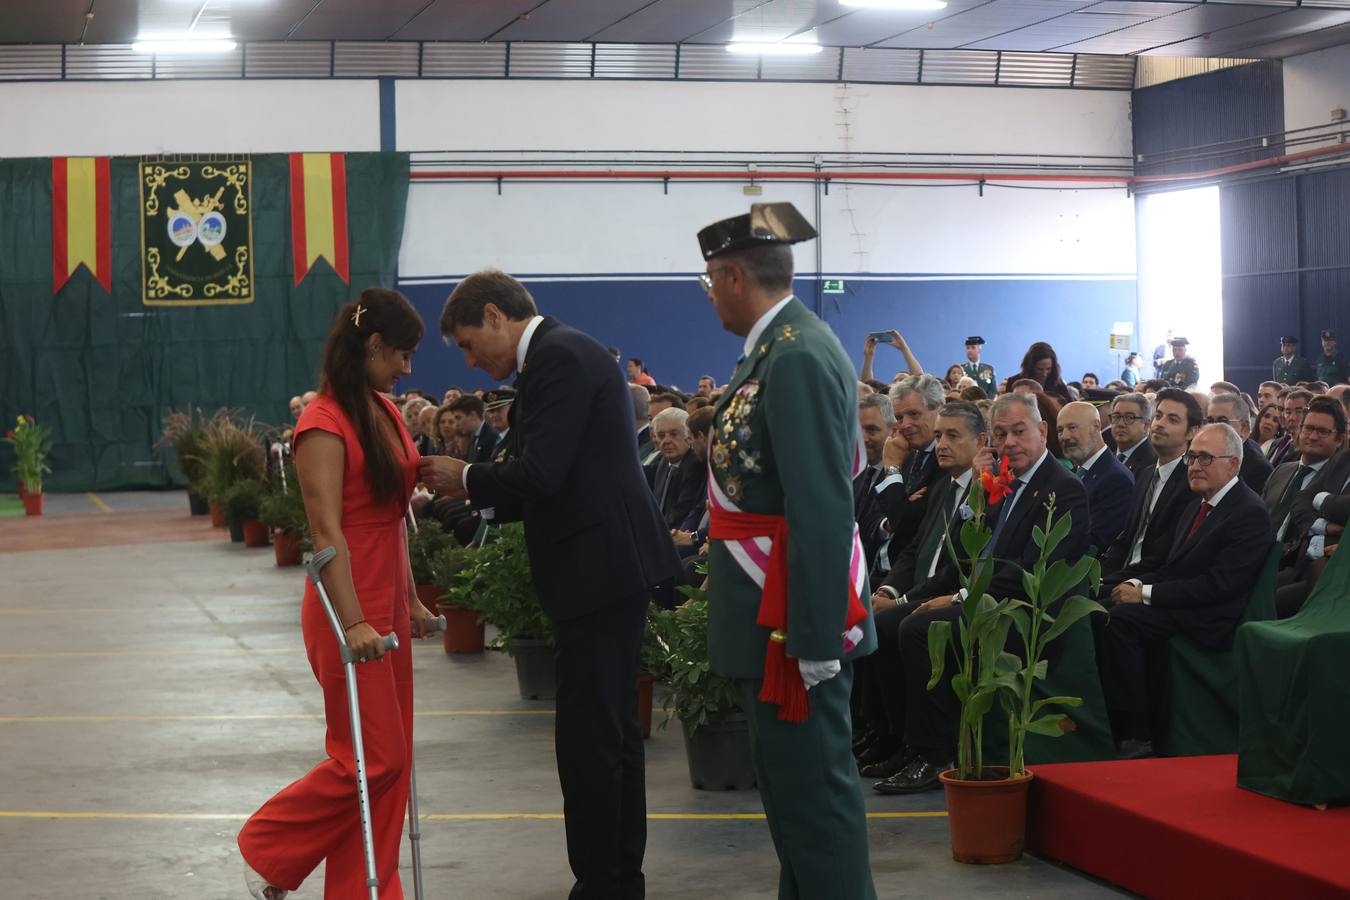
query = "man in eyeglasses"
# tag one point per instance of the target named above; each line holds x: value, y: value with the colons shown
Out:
x: 1220, y: 547
x: 1131, y: 415
x: 1319, y: 437
x: 1231, y: 409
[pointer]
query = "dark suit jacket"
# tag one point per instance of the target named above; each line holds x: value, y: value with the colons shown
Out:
x: 908, y: 568
x: 1206, y: 580
x: 576, y: 480
x: 896, y: 504
x: 1141, y: 459
x: 866, y: 511
x: 693, y: 493
x: 1109, y: 487
x: 1015, y: 543
x: 1335, y: 508
x: 645, y: 445
x: 688, y: 487
x: 1158, y: 532
x: 1256, y: 469
x: 481, y: 447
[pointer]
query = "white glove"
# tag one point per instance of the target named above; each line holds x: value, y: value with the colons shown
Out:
x: 816, y: 671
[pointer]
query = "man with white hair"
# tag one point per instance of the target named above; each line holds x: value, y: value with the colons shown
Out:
x: 1109, y: 484
x: 1223, y: 538
x: 1231, y: 409
x: 672, y: 475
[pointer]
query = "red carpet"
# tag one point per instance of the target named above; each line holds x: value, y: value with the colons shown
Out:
x: 1182, y: 828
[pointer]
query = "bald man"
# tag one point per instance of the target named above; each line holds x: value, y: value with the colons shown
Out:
x: 1108, y: 483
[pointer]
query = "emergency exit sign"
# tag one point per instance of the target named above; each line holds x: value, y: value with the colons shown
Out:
x: 833, y: 286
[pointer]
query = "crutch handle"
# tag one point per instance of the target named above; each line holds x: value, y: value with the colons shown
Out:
x: 389, y: 642
x: 318, y: 561
x: 434, y: 625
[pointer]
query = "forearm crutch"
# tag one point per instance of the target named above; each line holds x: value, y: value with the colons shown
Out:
x: 321, y: 559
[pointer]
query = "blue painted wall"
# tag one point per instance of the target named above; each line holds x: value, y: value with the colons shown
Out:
x: 672, y: 326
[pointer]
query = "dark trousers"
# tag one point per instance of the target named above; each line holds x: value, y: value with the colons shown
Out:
x: 1292, y: 588
x: 1132, y: 643
x: 809, y: 783
x: 599, y: 745
x: 883, y: 674
x: 931, y: 717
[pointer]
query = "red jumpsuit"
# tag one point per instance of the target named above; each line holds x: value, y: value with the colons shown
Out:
x: 317, y: 818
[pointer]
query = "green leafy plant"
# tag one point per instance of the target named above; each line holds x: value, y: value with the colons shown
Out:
x: 32, y: 445
x: 697, y: 693
x: 283, y: 505
x: 185, y: 433
x: 446, y: 568
x: 425, y: 545
x: 243, y: 499
x: 496, y: 581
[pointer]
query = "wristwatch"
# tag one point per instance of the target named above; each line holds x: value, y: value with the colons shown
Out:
x: 891, y: 470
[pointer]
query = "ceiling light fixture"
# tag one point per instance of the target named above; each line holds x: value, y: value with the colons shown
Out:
x: 900, y: 5
x: 774, y: 48
x: 183, y: 44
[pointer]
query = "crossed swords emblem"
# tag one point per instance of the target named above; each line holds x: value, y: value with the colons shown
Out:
x: 193, y: 222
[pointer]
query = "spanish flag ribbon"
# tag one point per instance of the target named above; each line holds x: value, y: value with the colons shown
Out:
x: 319, y: 212
x: 81, y: 219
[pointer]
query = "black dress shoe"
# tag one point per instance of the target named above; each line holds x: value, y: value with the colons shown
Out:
x: 918, y: 777
x: 1134, y: 749
x: 862, y: 738
x: 880, y: 750
x: 893, y: 764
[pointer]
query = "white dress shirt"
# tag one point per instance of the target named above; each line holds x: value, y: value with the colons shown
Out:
x: 1165, y: 471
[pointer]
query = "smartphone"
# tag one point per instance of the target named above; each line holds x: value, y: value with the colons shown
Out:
x: 882, y: 337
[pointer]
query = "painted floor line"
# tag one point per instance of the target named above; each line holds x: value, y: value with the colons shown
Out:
x: 426, y: 817
x: 95, y: 611
x: 92, y: 654
x: 259, y: 717
x: 98, y: 501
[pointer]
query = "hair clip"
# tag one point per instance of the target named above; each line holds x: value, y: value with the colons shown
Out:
x: 356, y: 316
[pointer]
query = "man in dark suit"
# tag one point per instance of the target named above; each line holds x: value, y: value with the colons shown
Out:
x: 1291, y: 416
x: 1131, y: 416
x: 674, y: 474
x: 1161, y: 492
x: 961, y: 434
x: 642, y: 421
x: 576, y: 483
x: 1109, y: 484
x: 1019, y: 435
x: 876, y: 416
x: 908, y: 466
x: 1200, y: 592
x: 468, y: 412
x: 1232, y: 409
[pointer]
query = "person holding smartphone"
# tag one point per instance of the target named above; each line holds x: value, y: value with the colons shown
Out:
x: 895, y: 339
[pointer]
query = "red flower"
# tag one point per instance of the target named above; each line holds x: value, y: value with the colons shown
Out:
x: 997, y: 486
x: 9, y: 435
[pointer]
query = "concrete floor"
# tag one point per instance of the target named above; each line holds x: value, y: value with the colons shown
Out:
x: 155, y: 694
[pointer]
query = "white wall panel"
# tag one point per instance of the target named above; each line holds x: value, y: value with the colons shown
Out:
x: 1314, y: 85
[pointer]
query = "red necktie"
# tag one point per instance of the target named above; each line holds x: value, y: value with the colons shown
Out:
x: 1199, y: 519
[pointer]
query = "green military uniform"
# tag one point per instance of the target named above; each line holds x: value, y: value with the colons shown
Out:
x: 1333, y: 369
x: 1181, y: 373
x: 784, y: 440
x: 981, y: 372
x: 1291, y: 370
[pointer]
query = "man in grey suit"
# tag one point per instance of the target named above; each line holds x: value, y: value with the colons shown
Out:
x: 1131, y: 416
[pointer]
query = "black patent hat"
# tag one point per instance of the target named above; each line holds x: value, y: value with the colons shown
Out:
x: 767, y: 223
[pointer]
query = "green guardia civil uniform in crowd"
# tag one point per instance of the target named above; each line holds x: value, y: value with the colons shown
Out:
x: 785, y: 443
x: 1181, y: 373
x: 1291, y: 369
x: 981, y: 371
x: 1332, y: 367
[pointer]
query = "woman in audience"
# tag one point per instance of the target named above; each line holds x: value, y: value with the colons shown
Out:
x: 443, y: 431
x: 356, y: 464
x: 1042, y: 366
x: 954, y: 375
x: 1268, y: 429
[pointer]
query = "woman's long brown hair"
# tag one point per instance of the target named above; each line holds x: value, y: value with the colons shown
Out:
x: 343, y: 374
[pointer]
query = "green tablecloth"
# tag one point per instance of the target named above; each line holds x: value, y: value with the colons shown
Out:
x: 1199, y: 715
x: 1294, y: 740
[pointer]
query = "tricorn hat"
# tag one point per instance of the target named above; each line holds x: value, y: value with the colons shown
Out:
x: 974, y: 340
x: 1328, y: 335
x: 1288, y: 339
x: 767, y: 223
x: 1180, y: 342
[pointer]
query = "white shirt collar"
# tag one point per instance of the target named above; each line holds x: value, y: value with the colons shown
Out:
x: 1130, y: 451
x: 1091, y: 460
x: 524, y: 346
x: 764, y: 321
x: 1316, y: 467
x: 1222, y: 492
x: 963, y: 480
x: 1030, y: 473
x: 1165, y: 470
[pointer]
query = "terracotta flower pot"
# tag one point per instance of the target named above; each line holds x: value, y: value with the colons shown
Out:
x: 32, y: 503
x: 217, y: 515
x: 987, y: 819
x: 463, y: 632
x: 255, y: 534
x: 429, y: 594
x: 287, y: 549
x: 644, y: 686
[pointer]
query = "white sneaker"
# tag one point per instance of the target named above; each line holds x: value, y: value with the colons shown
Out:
x: 260, y: 887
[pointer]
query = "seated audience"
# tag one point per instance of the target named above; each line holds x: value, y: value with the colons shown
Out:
x: 691, y: 535
x: 497, y: 411
x: 954, y: 375
x: 1109, y: 484
x: 1041, y: 365
x: 1089, y: 381
x: 973, y: 394
x: 1201, y: 397
x: 1266, y: 393
x: 1131, y: 416
x: 661, y: 402
x: 675, y: 475
x: 1268, y: 428
x: 1295, y: 405
x: 642, y: 423
x: 424, y: 438
x: 1200, y: 592
x: 638, y: 374
x: 706, y: 385
x: 296, y: 406
x: 1231, y: 409
x: 469, y: 422
x: 443, y: 432
x: 876, y: 416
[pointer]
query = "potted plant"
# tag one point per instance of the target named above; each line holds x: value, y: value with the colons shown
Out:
x: 653, y: 667
x: 716, y: 733
x: 502, y: 587
x: 32, y: 445
x: 426, y: 542
x: 464, y: 627
x: 232, y: 450
x: 987, y: 804
x: 283, y: 510
x: 185, y: 432
x: 242, y: 502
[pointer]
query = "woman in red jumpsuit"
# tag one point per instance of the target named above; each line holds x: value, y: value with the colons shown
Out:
x: 356, y: 464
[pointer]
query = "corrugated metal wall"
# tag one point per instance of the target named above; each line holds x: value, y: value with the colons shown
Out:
x: 1233, y: 104
x: 1286, y: 267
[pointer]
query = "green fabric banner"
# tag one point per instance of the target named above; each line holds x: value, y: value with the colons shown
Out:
x: 102, y: 370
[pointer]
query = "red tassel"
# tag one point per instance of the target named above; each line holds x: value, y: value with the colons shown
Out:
x: 783, y: 685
